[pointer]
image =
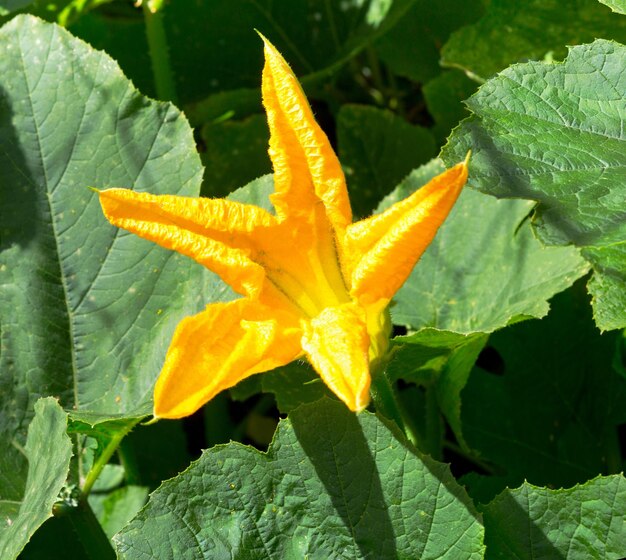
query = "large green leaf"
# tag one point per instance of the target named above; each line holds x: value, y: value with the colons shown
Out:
x: 332, y: 484
x: 518, y: 30
x: 549, y: 413
x: 86, y: 310
x: 484, y: 268
x: 28, y: 494
x: 586, y: 521
x: 554, y: 133
x: 377, y: 150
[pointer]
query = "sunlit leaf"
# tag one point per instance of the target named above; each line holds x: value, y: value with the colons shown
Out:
x: 553, y: 133
x: 586, y: 521
x: 306, y: 498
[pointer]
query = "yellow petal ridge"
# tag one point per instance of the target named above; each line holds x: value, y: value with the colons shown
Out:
x: 217, y: 348
x: 336, y: 343
x: 381, y: 251
x: 304, y: 161
x: 216, y: 233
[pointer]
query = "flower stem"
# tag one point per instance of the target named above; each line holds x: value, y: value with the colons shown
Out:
x: 103, y: 459
x: 78, y: 523
x: 159, y: 51
x: 386, y: 403
x: 434, y: 431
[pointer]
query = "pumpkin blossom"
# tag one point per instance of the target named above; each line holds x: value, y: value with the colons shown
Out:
x: 313, y: 283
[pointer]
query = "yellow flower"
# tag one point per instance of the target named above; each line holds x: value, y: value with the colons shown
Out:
x: 313, y: 283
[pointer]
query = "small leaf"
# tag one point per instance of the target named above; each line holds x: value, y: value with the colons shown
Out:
x: 442, y: 360
x: 553, y: 133
x: 586, y: 521
x: 117, y: 508
x: 305, y: 498
x: 27, y: 500
x: 484, y: 268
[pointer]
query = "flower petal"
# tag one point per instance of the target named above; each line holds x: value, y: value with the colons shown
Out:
x: 304, y: 161
x: 337, y: 345
x: 380, y: 252
x: 215, y: 233
x: 219, y: 347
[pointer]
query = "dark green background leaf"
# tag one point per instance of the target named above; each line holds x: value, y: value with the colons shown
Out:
x: 377, y: 150
x: 412, y: 48
x: 550, y: 415
x: 209, y: 55
x: 553, y: 133
x: 305, y: 498
x: 517, y: 30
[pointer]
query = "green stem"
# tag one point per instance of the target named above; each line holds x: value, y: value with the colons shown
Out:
x: 102, y: 460
x: 80, y: 523
x: 159, y: 52
x: 434, y: 427
x: 386, y: 403
x: 458, y: 450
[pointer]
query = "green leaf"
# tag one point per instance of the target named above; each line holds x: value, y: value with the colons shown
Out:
x: 228, y: 144
x: 586, y: 521
x: 27, y: 496
x: 548, y: 413
x: 306, y: 498
x: 618, y: 6
x: 513, y: 31
x: 553, y: 133
x: 117, y: 508
x: 484, y: 268
x: 412, y: 48
x: 377, y: 150
x: 440, y: 360
x: 100, y: 306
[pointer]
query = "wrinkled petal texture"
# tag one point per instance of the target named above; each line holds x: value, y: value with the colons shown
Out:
x: 219, y: 347
x: 380, y: 251
x: 216, y: 233
x: 300, y: 151
x: 313, y: 283
x: 336, y: 343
